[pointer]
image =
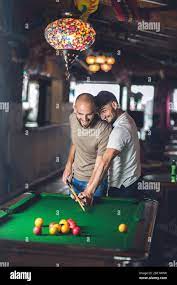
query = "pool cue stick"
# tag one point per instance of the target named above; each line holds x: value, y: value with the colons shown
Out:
x: 75, y: 195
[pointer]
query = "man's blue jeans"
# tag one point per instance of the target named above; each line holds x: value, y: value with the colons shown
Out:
x: 80, y: 186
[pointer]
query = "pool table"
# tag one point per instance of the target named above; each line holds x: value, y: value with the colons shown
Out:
x: 99, y: 243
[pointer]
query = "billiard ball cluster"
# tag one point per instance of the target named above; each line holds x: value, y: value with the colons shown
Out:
x: 64, y: 227
x: 37, y: 230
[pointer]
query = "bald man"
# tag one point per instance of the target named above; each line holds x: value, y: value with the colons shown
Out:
x: 89, y: 136
x: 122, y: 155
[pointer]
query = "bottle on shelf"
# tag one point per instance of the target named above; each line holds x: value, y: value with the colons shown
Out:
x: 173, y: 171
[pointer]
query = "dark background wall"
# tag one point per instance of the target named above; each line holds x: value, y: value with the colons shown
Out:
x: 26, y: 156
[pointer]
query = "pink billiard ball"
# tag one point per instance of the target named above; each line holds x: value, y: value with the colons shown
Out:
x: 69, y: 220
x: 37, y: 230
x: 72, y: 223
x: 76, y: 231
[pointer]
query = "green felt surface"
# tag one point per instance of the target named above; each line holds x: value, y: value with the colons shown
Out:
x: 98, y: 225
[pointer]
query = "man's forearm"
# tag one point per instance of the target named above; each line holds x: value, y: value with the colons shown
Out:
x: 71, y: 156
x: 98, y: 176
x: 97, y: 163
x: 91, y: 178
x: 102, y: 168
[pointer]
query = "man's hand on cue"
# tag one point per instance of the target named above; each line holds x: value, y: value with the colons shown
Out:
x: 67, y: 174
x: 86, y: 198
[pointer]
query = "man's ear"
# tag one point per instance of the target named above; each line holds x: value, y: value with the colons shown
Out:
x: 115, y: 105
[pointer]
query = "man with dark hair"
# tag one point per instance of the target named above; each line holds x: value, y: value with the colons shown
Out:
x: 122, y: 156
x: 89, y: 140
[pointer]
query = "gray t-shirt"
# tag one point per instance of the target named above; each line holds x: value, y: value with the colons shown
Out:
x: 125, y: 168
x: 89, y: 143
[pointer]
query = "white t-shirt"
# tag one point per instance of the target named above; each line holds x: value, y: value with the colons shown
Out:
x: 125, y: 168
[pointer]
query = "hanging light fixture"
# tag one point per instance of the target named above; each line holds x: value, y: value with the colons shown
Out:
x: 100, y: 59
x: 94, y: 67
x: 69, y: 34
x: 90, y: 59
x: 110, y: 60
x: 103, y: 60
x: 106, y: 67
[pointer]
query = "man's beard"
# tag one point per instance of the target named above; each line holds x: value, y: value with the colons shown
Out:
x: 86, y: 125
x: 113, y: 118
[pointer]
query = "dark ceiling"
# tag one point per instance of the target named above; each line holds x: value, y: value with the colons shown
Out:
x: 155, y: 48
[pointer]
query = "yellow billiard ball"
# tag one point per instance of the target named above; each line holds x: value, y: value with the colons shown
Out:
x: 58, y: 228
x: 38, y: 222
x: 65, y: 228
x: 53, y: 230
x: 52, y: 224
x: 122, y: 228
x: 63, y: 222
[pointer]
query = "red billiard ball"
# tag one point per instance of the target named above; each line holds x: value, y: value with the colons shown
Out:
x: 76, y: 231
x: 72, y: 225
x: 37, y: 230
x: 69, y: 220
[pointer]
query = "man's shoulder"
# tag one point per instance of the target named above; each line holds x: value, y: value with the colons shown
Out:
x: 121, y: 131
x: 126, y: 123
x: 130, y: 120
x: 72, y: 118
x: 103, y: 125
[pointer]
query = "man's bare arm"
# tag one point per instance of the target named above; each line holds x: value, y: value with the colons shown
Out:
x: 101, y: 170
x: 97, y: 162
x: 68, y: 168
